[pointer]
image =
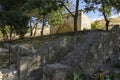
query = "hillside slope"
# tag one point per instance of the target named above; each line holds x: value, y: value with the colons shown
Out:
x: 113, y: 21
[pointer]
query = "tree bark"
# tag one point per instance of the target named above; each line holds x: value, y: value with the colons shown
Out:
x: 76, y: 17
x: 31, y: 30
x: 105, y: 15
x: 68, y: 10
x: 35, y: 29
x: 11, y: 32
x: 106, y: 20
x: 43, y: 25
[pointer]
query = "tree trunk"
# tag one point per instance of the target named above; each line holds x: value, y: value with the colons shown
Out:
x: 43, y: 26
x: 107, y: 25
x: 35, y: 29
x: 105, y: 15
x: 68, y: 9
x: 31, y: 30
x: 106, y: 20
x: 11, y: 32
x: 76, y: 17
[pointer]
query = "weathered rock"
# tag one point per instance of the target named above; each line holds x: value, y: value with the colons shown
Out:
x: 8, y: 74
x: 54, y: 50
x: 1, y: 75
x: 95, y: 53
x: 57, y: 72
x: 91, y: 53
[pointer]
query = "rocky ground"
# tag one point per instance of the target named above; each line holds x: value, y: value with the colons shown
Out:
x: 6, y: 72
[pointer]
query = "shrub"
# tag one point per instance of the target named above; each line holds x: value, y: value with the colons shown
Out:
x: 101, y: 76
x: 95, y: 25
x: 77, y: 77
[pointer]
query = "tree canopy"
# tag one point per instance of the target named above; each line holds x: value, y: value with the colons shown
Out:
x: 17, y: 13
x: 106, y: 7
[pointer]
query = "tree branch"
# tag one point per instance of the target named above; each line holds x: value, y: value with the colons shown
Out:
x: 68, y: 10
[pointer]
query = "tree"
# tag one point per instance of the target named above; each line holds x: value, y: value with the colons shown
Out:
x: 41, y: 9
x: 2, y: 26
x: 56, y: 17
x: 106, y: 11
x: 13, y: 17
x: 44, y: 7
x: 106, y: 7
x: 75, y: 16
x: 43, y: 24
x: 115, y: 4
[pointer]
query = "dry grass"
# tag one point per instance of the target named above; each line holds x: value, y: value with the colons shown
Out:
x: 36, y: 41
x: 113, y: 21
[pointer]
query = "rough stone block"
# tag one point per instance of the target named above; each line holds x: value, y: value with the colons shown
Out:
x: 57, y: 71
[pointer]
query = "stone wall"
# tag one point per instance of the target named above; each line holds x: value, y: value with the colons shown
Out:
x: 90, y: 53
x: 29, y: 60
x: 85, y: 22
x: 98, y: 52
x: 22, y: 59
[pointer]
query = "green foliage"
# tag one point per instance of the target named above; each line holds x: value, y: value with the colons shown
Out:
x: 56, y: 18
x: 13, y: 20
x: 76, y: 77
x: 106, y: 7
x: 41, y: 7
x: 101, y: 76
x: 17, y: 23
x: 95, y: 25
x: 107, y: 77
x: 0, y: 33
x: 15, y: 14
x: 115, y: 4
x: 21, y: 27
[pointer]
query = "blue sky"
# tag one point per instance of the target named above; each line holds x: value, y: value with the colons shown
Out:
x: 93, y: 15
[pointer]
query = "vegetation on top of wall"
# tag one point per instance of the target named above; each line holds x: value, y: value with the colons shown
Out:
x: 95, y: 25
x: 57, y: 18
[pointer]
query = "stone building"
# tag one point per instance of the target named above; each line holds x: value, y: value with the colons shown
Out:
x: 84, y: 22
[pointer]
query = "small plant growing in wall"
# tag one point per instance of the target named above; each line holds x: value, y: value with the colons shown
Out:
x: 77, y: 77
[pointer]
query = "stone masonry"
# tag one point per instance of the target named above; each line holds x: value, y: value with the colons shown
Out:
x: 90, y: 52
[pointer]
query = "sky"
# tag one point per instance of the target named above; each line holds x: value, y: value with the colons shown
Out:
x: 93, y: 15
